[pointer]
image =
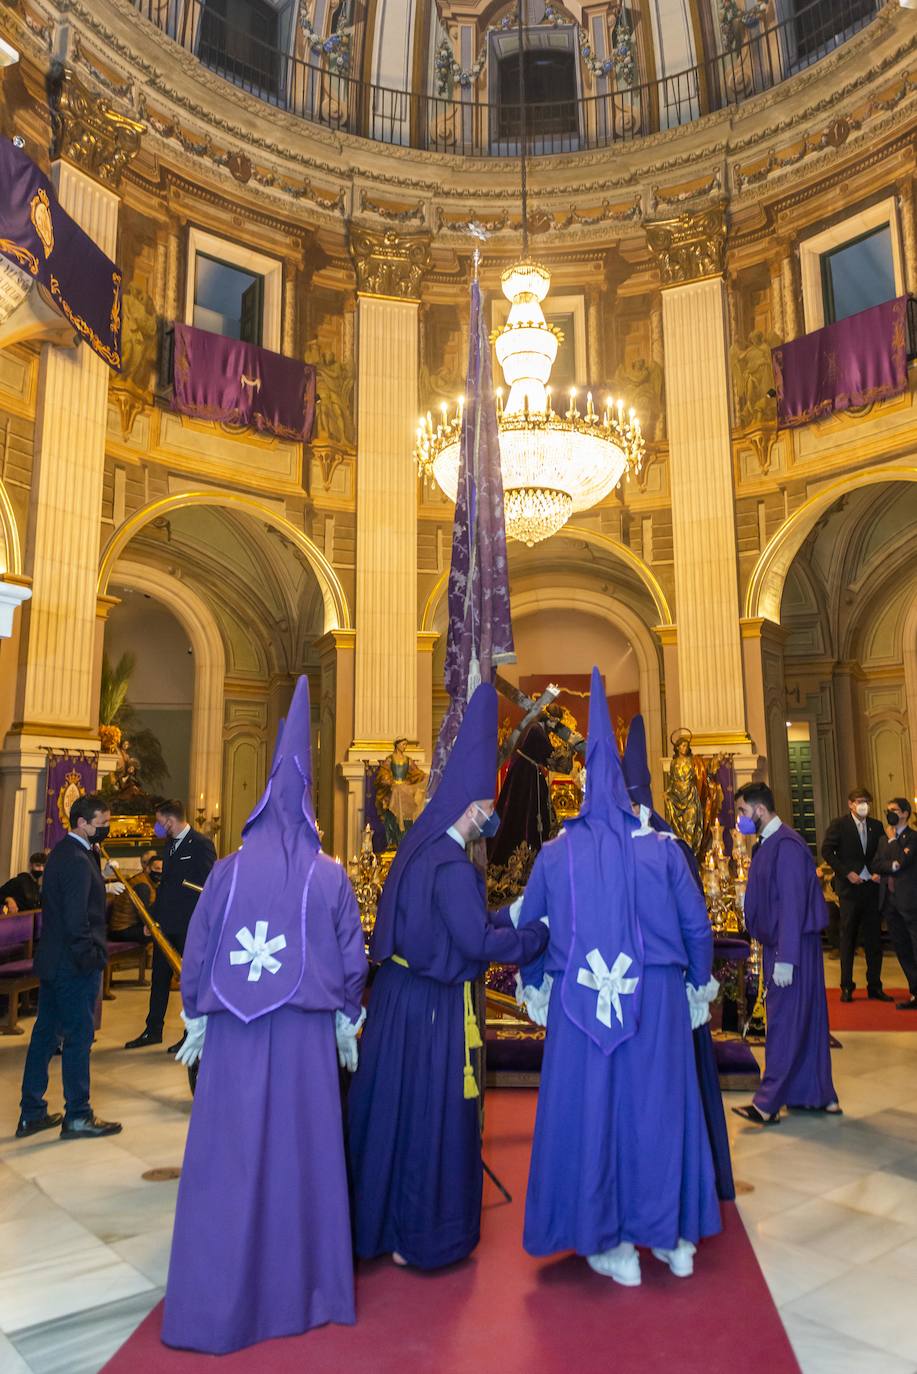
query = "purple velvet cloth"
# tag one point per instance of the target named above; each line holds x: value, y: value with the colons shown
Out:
x: 851, y: 363
x: 41, y: 239
x: 480, y: 624
x: 215, y: 378
x: 785, y: 910
x: 69, y: 776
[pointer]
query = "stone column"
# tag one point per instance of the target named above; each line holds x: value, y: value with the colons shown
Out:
x: 691, y: 252
x: 389, y: 270
x: 336, y: 650
x: 57, y: 690
x: 790, y: 295
x: 765, y: 689
x: 848, y: 721
x: 909, y: 235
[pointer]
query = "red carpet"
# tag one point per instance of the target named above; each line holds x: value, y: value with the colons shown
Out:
x: 506, y: 1311
x: 863, y: 1015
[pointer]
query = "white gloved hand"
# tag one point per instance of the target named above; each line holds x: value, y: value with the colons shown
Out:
x: 193, y: 1047
x: 345, y: 1033
x: 783, y: 975
x: 535, y: 1000
x: 515, y: 912
x: 699, y: 1000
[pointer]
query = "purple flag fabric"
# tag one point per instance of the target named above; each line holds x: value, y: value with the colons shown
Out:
x: 41, y: 239
x: 69, y: 776
x: 215, y: 378
x: 480, y: 625
x: 852, y: 363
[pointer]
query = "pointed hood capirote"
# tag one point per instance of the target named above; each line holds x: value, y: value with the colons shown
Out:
x: 469, y: 775
x: 260, y: 957
x: 602, y: 986
x: 636, y: 766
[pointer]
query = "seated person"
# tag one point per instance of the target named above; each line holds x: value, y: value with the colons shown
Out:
x: 23, y: 892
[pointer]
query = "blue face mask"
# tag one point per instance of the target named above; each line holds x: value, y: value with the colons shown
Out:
x: 489, y: 826
x: 746, y: 826
x: 159, y: 831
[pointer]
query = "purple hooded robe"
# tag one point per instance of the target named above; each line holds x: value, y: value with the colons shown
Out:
x: 785, y: 910
x: 415, y: 1138
x: 621, y: 1151
x: 261, y: 1245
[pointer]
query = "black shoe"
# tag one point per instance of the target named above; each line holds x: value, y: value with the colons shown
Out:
x: 909, y: 1005
x: 89, y: 1126
x: 847, y: 994
x: 173, y: 1049
x: 879, y: 996
x: 41, y: 1123
x: 147, y: 1038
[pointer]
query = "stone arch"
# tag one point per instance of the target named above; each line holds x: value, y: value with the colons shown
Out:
x: 765, y: 587
x: 337, y: 611
x: 199, y: 623
x: 10, y: 543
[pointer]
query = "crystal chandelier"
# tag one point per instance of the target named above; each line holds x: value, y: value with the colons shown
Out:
x: 553, y: 463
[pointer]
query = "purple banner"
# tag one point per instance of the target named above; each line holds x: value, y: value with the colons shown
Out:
x: 69, y: 776
x: 480, y: 625
x: 215, y: 378
x: 852, y: 363
x: 41, y: 239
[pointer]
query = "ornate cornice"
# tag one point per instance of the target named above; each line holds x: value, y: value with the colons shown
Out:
x: 389, y: 264
x: 87, y: 131
x: 691, y: 247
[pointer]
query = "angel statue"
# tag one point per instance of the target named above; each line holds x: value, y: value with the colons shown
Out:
x: 399, y: 793
x: 693, y: 796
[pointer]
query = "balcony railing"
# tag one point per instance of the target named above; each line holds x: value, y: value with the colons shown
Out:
x: 759, y: 57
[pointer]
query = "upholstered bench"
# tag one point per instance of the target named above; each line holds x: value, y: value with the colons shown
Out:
x: 17, y: 973
x: 124, y: 954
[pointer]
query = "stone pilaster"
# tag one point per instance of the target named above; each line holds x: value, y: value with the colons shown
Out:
x: 690, y: 252
x: 336, y: 650
x: 389, y: 270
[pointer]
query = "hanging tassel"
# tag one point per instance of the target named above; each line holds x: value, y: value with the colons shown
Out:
x: 472, y: 1041
x: 471, y: 1087
x: 474, y: 677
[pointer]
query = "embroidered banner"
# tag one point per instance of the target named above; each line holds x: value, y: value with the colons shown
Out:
x: 69, y: 776
x: 41, y: 239
x: 852, y: 363
x: 215, y: 378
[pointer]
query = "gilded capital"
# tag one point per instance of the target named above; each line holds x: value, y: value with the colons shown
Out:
x: 389, y: 263
x: 87, y: 131
x: 689, y: 247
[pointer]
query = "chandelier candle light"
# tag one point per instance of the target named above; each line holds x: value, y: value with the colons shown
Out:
x: 553, y: 463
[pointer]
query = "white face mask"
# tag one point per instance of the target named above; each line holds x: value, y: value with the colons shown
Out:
x: 862, y: 810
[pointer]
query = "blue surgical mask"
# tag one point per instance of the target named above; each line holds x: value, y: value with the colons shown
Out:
x: 489, y: 826
x: 160, y: 831
x: 746, y: 826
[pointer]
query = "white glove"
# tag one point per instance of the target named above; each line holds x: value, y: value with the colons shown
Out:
x: 193, y: 1048
x: 783, y: 975
x: 535, y: 1000
x: 345, y: 1033
x: 699, y: 1000
x: 515, y: 912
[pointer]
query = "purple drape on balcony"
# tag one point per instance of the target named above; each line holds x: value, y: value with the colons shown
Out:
x: 852, y: 363
x: 225, y: 379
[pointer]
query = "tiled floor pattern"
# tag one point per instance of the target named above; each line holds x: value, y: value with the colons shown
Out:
x: 832, y: 1210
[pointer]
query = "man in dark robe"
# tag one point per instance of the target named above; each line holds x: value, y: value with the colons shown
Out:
x: 639, y: 789
x: 786, y: 912
x: 621, y: 1155
x: 524, y: 804
x: 272, y: 978
x: 414, y: 1122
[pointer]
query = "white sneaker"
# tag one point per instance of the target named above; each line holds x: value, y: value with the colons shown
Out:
x: 680, y: 1260
x: 621, y: 1264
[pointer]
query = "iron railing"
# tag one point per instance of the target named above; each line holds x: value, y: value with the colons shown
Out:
x: 758, y: 58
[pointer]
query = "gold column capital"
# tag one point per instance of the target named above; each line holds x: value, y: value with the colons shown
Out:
x: 389, y: 264
x: 87, y: 131
x: 691, y: 247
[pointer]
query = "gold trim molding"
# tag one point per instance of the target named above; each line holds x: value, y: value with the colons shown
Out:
x: 389, y: 264
x: 691, y: 247
x: 87, y: 131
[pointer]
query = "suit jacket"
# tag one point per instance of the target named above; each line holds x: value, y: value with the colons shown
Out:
x: 190, y: 861
x: 841, y: 848
x: 902, y: 850
x: 73, y: 912
x: 24, y: 891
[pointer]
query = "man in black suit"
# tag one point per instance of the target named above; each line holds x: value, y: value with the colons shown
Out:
x: 69, y: 961
x: 896, y: 865
x: 850, y: 846
x: 187, y: 857
x: 23, y: 892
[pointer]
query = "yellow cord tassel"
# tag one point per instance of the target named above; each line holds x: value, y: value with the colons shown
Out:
x: 472, y: 1041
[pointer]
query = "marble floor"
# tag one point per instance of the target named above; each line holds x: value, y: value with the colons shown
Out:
x: 830, y: 1206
